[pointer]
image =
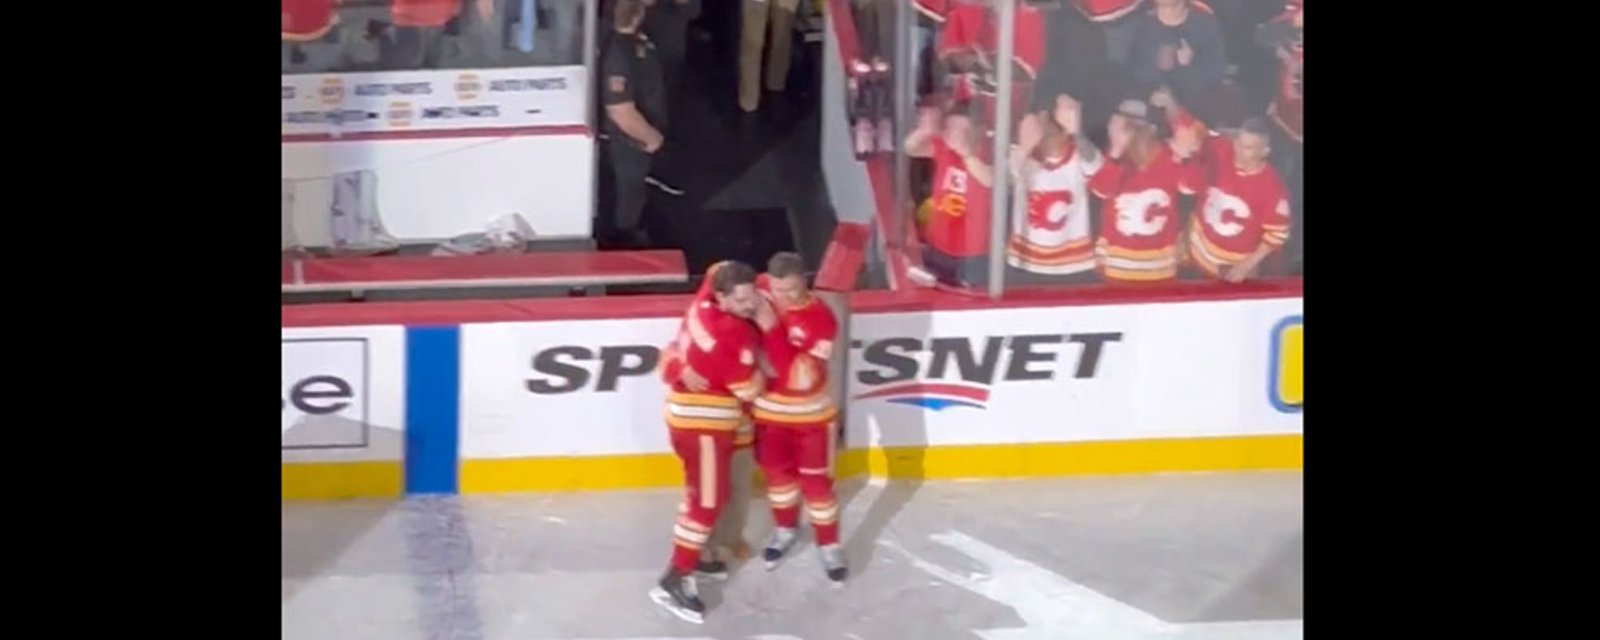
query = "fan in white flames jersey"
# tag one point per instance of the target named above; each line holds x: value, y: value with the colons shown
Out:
x: 1050, y: 220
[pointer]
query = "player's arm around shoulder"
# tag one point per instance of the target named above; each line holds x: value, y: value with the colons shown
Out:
x: 739, y: 344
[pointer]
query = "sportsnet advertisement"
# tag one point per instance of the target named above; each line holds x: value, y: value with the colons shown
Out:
x: 1066, y: 374
x: 540, y: 389
x: 343, y: 394
x: 1005, y: 376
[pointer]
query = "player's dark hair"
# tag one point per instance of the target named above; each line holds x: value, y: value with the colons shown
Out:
x: 626, y: 13
x: 732, y: 274
x: 1257, y: 126
x: 784, y: 264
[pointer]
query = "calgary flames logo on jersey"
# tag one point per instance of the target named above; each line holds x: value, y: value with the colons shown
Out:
x: 1143, y: 213
x: 954, y: 201
x: 1224, y: 212
x: 1048, y: 210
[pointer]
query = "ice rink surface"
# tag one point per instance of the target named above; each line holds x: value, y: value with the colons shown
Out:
x: 1215, y: 556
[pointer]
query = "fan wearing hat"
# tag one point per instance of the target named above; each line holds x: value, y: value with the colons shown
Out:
x: 1140, y: 184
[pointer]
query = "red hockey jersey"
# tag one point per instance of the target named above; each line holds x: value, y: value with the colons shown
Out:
x: 1237, y: 212
x: 958, y: 223
x: 306, y: 20
x: 424, y: 13
x: 1139, y: 222
x: 722, y: 348
x: 795, y: 358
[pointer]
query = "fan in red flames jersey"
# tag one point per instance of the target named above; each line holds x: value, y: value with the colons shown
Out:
x: 957, y: 232
x: 1242, y: 214
x: 1140, y: 186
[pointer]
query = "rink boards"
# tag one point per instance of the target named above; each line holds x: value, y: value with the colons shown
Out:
x: 989, y: 392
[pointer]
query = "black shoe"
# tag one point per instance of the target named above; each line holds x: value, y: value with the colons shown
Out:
x: 677, y: 593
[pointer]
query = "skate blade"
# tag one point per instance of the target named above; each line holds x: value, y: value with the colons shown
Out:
x: 661, y: 597
x: 713, y: 577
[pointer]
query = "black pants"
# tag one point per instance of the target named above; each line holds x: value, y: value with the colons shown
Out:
x: 630, y: 165
x: 971, y: 272
x: 413, y: 48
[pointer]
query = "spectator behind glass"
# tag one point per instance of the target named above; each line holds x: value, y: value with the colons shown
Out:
x: 306, y: 21
x: 1283, y: 34
x: 1076, y: 63
x: 1116, y: 20
x: 1242, y: 214
x: 1052, y: 163
x: 1178, y: 44
x: 417, y: 39
x: 957, y: 232
x: 1139, y: 185
x: 969, y: 47
x: 509, y: 33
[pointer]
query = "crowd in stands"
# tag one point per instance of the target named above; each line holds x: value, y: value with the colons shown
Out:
x: 326, y: 36
x: 1151, y: 139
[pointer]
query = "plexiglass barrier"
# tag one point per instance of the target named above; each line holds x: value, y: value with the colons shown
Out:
x: 1091, y: 142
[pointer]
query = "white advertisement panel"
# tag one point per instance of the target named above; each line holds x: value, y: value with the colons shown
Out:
x: 1047, y: 374
x: 538, y: 389
x: 432, y: 100
x: 343, y: 393
x: 1066, y: 374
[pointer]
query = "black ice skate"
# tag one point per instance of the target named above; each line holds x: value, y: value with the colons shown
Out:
x: 833, y: 563
x: 677, y: 593
x: 712, y: 570
x: 782, y: 538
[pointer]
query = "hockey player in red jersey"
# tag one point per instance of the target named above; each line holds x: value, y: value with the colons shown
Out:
x: 702, y: 422
x: 727, y: 535
x: 795, y: 415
